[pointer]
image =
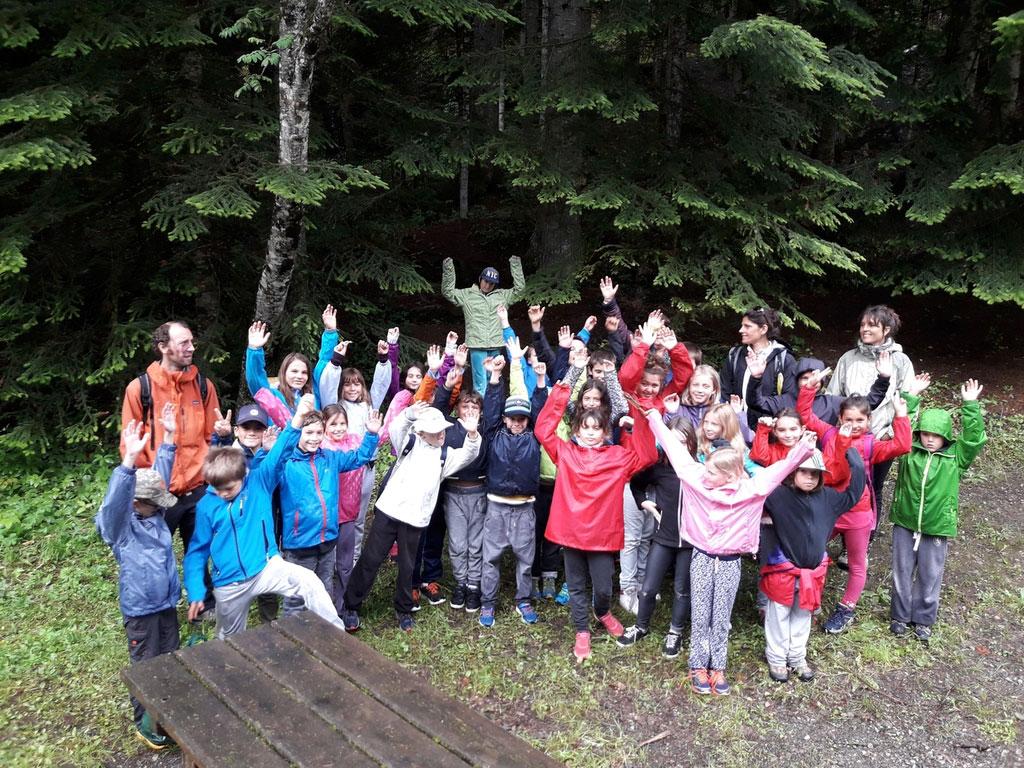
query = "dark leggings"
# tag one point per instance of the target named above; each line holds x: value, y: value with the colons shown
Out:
x: 879, y: 473
x: 546, y: 554
x: 659, y: 559
x: 601, y: 567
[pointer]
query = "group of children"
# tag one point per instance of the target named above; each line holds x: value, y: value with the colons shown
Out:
x: 635, y: 453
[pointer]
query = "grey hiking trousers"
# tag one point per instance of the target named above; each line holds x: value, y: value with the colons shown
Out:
x: 507, y: 525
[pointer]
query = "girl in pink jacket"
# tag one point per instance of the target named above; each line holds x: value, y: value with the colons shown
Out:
x: 720, y: 514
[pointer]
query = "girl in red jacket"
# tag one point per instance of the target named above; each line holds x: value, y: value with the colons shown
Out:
x: 586, y: 512
x: 786, y: 427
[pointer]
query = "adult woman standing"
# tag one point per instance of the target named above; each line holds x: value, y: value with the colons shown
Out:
x: 759, y: 338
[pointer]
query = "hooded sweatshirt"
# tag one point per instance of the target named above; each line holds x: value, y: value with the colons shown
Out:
x: 855, y: 372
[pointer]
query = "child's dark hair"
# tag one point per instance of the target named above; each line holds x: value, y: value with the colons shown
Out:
x: 656, y: 368
x: 855, y: 403
x: 789, y: 413
x: 696, y: 353
x: 601, y: 417
x: 282, y: 385
x: 684, y: 426
x: 765, y: 316
x: 223, y: 466
x: 470, y: 396
x: 313, y: 417
x: 332, y: 410
x: 601, y: 356
x: 601, y: 387
x: 884, y: 316
x: 790, y: 481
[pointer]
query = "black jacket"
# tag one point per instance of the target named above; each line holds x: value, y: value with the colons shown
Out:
x: 660, y: 481
x: 779, y: 378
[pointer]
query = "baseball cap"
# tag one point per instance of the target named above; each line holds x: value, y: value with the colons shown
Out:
x: 490, y: 274
x: 252, y: 412
x: 517, y: 406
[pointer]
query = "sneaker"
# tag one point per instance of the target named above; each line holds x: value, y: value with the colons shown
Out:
x: 548, y: 590
x: 670, y: 647
x: 562, y: 598
x: 351, y: 620
x: 716, y: 679
x: 486, y: 616
x: 778, y: 674
x: 147, y: 732
x: 581, y: 650
x: 613, y: 625
x: 631, y: 635
x: 629, y: 601
x: 432, y: 592
x: 699, y: 681
x: 405, y: 622
x: 841, y: 618
x: 898, y: 628
x: 923, y: 633
x: 415, y: 599
x: 458, y: 598
x: 526, y: 612
x: 803, y: 672
x: 472, y: 600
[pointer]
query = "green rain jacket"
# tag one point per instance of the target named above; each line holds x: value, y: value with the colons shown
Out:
x: 483, y: 331
x: 926, y: 497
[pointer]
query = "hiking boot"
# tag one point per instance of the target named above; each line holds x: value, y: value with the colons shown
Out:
x: 415, y: 599
x: 841, y: 618
x: 458, y: 598
x: 548, y: 590
x: 526, y: 612
x: 486, y: 617
x: 719, y: 686
x: 671, y: 645
x: 898, y: 628
x: 405, y: 622
x: 147, y: 732
x: 699, y: 681
x: 562, y: 598
x: 778, y: 674
x: 613, y: 625
x: 472, y: 600
x: 923, y: 633
x: 803, y: 672
x: 629, y: 601
x: 631, y: 635
x: 581, y: 650
x: 350, y: 619
x: 432, y: 592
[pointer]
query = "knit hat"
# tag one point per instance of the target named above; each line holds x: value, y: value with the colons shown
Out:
x: 149, y: 486
x: 490, y: 274
x: 815, y: 461
x: 517, y: 406
x: 252, y: 412
x: 805, y: 364
x: 431, y: 421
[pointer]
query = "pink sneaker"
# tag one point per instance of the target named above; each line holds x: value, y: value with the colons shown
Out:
x: 613, y: 625
x: 582, y: 648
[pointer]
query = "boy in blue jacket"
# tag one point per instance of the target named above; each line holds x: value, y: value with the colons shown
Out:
x: 131, y: 523
x: 235, y: 529
x: 309, y: 498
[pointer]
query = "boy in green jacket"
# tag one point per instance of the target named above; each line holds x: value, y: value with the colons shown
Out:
x: 924, y: 509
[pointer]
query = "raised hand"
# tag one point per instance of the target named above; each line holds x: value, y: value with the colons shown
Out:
x: 416, y: 410
x: 461, y: 356
x: 450, y: 342
x: 515, y: 351
x: 502, y: 312
x: 919, y: 383
x: 168, y: 420
x: 817, y: 377
x: 611, y: 324
x: 970, y: 390
x: 434, y: 358
x: 737, y: 403
x: 258, y: 335
x: 393, y: 335
x: 540, y: 369
x: 341, y: 347
x: 306, y: 405
x: 470, y: 423
x: 452, y: 378
x: 647, y: 334
x: 590, y: 323
x: 756, y: 364
x: 330, y: 318
x: 222, y: 426
x: 382, y: 347
x: 581, y: 357
x: 901, y: 405
x: 565, y: 337
x: 768, y: 421
x: 270, y: 437
x: 807, y: 439
x: 608, y: 290
x: 497, y: 364
x: 883, y: 364
x: 134, y: 437
x: 667, y: 337
x: 374, y: 421
x: 671, y: 403
x: 846, y: 430
x: 656, y: 320
x: 536, y: 313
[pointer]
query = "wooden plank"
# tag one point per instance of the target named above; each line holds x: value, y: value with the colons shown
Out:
x: 365, y: 722
x: 294, y: 730
x: 462, y: 730
x: 209, y: 733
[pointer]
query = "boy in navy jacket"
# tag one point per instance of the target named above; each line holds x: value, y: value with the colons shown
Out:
x: 235, y: 530
x: 131, y: 522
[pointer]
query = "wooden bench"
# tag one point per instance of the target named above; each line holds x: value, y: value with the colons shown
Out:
x: 300, y: 692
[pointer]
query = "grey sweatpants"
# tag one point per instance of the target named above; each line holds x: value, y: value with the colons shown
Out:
x: 281, y: 578
x: 640, y: 526
x: 787, y: 628
x: 464, y: 516
x: 321, y: 565
x: 713, y: 585
x: 917, y: 576
x: 507, y: 525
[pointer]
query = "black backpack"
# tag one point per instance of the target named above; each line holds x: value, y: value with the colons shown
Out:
x: 408, y: 447
x: 146, y: 400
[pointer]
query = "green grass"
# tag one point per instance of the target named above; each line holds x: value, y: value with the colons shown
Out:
x: 62, y: 647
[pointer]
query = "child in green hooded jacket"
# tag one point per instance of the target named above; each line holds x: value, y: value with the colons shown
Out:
x: 924, y: 509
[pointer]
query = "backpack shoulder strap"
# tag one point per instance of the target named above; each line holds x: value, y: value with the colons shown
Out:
x: 146, y: 401
x: 204, y: 390
x: 444, y: 453
x: 409, y: 444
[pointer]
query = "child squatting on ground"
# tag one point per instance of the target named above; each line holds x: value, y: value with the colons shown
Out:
x: 131, y: 522
x: 924, y: 509
x: 235, y: 531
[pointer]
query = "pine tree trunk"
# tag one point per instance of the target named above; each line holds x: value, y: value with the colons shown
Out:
x: 303, y: 21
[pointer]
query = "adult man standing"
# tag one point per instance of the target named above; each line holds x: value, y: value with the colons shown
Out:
x: 172, y: 378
